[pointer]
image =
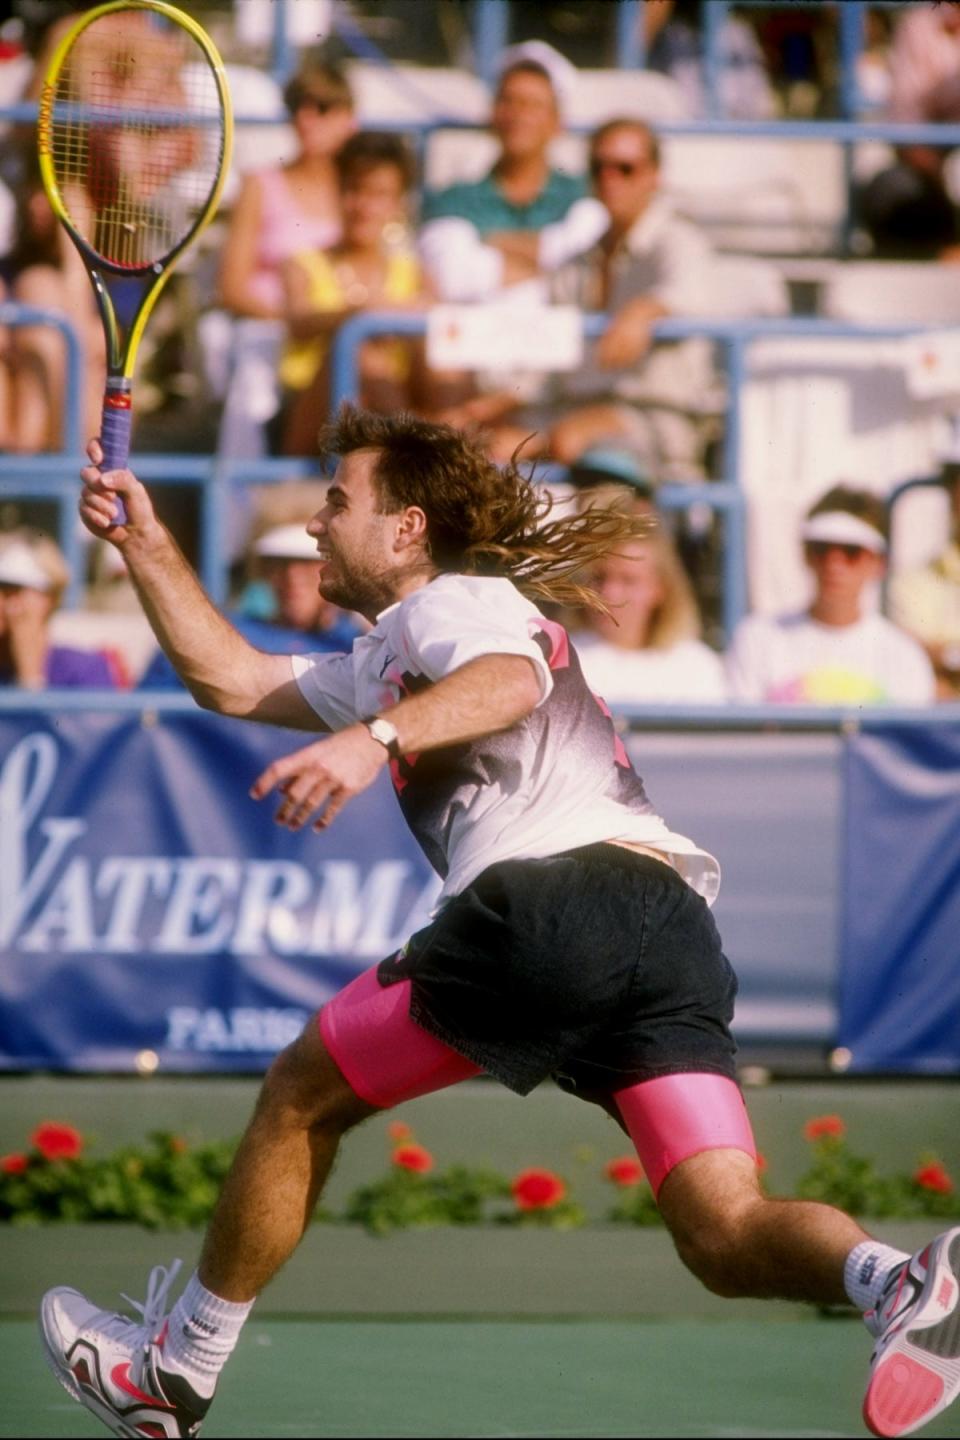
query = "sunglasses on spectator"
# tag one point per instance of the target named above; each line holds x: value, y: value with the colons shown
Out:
x: 818, y: 549
x: 301, y: 100
x: 625, y: 168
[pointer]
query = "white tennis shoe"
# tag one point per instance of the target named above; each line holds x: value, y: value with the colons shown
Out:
x: 915, y: 1368
x: 115, y: 1366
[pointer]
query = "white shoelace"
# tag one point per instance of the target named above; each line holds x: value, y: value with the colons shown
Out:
x: 154, y: 1308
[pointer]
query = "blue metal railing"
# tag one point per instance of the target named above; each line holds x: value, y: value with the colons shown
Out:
x: 731, y: 716
x: 725, y: 493
x: 14, y: 316
x: 55, y: 475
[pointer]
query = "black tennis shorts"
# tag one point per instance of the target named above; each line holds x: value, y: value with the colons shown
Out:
x: 600, y: 967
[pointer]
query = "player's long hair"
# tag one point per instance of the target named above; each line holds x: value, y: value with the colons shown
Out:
x: 482, y: 518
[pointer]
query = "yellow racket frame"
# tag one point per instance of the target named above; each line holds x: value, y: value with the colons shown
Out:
x: 121, y: 361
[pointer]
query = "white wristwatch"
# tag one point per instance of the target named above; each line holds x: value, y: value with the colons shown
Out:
x: 385, y: 734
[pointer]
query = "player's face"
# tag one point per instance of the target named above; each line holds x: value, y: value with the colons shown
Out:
x: 356, y: 543
x: 629, y: 583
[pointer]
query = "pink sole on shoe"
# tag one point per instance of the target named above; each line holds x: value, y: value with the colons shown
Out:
x: 901, y: 1394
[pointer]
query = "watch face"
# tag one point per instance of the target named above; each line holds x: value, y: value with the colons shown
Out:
x: 385, y: 733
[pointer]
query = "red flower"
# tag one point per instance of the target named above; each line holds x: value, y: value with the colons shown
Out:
x: 625, y: 1170
x: 178, y: 1146
x: 399, y: 1132
x: 761, y: 1163
x: 823, y: 1127
x: 934, y: 1177
x: 13, y: 1164
x: 537, y: 1190
x: 413, y: 1157
x: 57, y: 1142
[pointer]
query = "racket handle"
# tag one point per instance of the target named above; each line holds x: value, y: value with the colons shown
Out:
x: 115, y: 428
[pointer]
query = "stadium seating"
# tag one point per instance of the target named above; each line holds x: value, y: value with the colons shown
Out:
x: 875, y: 291
x: 781, y: 197
x: 407, y: 95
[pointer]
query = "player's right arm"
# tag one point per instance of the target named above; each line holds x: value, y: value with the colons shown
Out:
x: 220, y: 668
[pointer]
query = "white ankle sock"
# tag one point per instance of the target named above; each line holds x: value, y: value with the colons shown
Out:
x: 867, y: 1270
x: 202, y: 1330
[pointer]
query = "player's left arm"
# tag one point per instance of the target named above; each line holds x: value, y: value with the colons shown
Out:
x: 485, y: 695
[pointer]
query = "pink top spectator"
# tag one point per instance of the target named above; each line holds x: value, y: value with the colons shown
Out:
x: 285, y: 230
x: 925, y: 66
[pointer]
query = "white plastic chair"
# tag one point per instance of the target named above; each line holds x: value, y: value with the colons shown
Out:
x: 601, y: 95
x: 776, y: 196
x: 740, y: 287
x: 865, y: 291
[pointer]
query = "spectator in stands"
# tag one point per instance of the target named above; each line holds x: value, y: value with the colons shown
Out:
x: 837, y: 652
x: 647, y: 649
x: 906, y: 209
x: 610, y: 477
x: 673, y: 35
x: 33, y: 577
x: 42, y: 269
x: 371, y: 267
x: 652, y: 398
x: 926, y: 602
x: 281, y: 212
x: 524, y: 218
x: 280, y: 608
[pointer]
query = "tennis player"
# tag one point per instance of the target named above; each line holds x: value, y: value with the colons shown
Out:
x: 573, y: 937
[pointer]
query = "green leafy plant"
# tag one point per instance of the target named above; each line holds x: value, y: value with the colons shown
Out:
x: 635, y: 1203
x: 411, y: 1194
x: 167, y: 1182
x: 163, y: 1183
x: 839, y: 1176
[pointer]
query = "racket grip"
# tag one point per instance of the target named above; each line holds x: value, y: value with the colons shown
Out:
x: 115, y: 426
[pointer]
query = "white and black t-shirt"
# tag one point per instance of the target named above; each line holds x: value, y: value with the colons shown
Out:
x: 556, y: 780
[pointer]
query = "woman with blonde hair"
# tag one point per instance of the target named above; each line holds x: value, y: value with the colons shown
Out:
x: 646, y: 646
x: 33, y: 577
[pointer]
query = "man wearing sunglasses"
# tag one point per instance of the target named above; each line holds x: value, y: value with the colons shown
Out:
x: 653, y: 399
x: 840, y: 651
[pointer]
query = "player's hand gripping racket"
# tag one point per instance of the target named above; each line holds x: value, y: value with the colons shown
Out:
x: 134, y: 135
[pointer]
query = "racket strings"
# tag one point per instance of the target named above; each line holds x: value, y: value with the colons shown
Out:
x: 136, y: 138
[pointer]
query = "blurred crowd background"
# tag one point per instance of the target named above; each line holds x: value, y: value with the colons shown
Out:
x: 645, y: 164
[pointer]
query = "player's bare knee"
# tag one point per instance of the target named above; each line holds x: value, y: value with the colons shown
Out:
x: 710, y: 1206
x: 714, y: 1256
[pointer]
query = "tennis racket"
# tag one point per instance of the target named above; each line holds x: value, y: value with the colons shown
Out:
x: 134, y: 133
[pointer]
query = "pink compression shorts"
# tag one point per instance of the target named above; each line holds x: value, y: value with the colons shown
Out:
x: 387, y: 1058
x: 383, y: 1054
x: 676, y: 1116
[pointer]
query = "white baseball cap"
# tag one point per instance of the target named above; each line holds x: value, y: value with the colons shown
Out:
x: 839, y: 527
x: 19, y: 566
x: 286, y: 542
x: 563, y: 74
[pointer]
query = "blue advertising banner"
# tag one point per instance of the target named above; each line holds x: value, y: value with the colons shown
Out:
x: 153, y: 915
x: 900, y: 951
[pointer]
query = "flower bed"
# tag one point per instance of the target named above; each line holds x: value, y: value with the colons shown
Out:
x: 166, y: 1183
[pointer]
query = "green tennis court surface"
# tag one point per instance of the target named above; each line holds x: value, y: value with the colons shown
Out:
x: 504, y: 1378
